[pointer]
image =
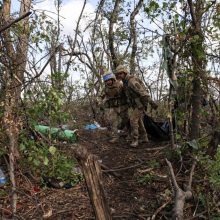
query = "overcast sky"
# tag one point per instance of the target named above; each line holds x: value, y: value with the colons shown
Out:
x: 70, y: 11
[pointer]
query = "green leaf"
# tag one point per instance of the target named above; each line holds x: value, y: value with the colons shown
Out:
x: 46, y: 161
x: 52, y: 150
x: 36, y: 162
x: 22, y: 147
x: 193, y: 144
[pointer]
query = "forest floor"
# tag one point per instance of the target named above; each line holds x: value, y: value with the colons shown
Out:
x: 137, y: 184
x: 135, y: 190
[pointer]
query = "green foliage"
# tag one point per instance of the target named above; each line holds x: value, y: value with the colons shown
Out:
x: 3, y: 193
x: 153, y: 164
x: 148, y: 178
x: 45, y: 106
x: 152, y: 7
x: 215, y: 216
x: 211, y: 167
x: 40, y: 27
x: 48, y: 161
x: 48, y: 104
x: 174, y: 155
x: 155, y: 9
x: 198, y: 47
x: 193, y: 144
x: 145, y: 179
x: 214, y: 170
x: 206, y: 200
x: 2, y: 151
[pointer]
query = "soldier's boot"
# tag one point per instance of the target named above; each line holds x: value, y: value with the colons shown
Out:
x: 144, y: 140
x: 114, y: 140
x: 134, y: 143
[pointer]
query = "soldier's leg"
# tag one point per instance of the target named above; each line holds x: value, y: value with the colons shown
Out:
x: 134, y: 123
x: 142, y: 131
x: 113, y: 118
x: 124, y: 118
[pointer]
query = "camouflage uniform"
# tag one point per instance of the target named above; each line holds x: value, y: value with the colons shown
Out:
x: 138, y: 99
x: 115, y: 104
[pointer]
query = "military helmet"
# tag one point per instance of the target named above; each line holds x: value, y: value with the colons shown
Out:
x: 121, y: 68
x: 108, y: 76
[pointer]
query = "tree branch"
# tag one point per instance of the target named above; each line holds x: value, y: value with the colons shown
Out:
x: 14, y: 21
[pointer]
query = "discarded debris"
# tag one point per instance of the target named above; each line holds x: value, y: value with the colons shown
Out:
x: 62, y: 134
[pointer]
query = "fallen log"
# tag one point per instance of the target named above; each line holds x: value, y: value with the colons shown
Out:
x: 180, y: 195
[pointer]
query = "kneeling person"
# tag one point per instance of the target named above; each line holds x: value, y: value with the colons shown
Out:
x: 115, y: 104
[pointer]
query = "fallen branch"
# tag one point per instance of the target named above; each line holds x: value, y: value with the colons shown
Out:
x: 123, y: 168
x: 160, y: 208
x: 180, y: 195
x: 106, y: 169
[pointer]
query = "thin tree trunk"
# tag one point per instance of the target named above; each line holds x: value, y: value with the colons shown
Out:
x: 196, y: 108
x: 199, y: 64
x: 16, y: 58
x: 113, y: 19
x: 134, y: 35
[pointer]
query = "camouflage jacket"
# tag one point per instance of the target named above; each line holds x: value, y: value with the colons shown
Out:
x: 114, y: 96
x: 136, y: 92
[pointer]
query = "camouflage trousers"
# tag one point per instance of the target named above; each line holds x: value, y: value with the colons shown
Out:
x: 136, y: 122
x: 115, y: 117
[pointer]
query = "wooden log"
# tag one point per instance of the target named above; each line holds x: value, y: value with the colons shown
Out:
x: 93, y: 177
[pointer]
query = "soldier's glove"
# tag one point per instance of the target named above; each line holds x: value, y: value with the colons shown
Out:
x: 101, y: 108
x: 154, y: 105
x: 144, y: 100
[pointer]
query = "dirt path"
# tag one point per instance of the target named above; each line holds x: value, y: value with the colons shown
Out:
x: 136, y: 184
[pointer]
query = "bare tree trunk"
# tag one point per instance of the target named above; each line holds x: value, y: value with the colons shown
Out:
x: 199, y: 63
x: 15, y: 59
x: 134, y: 35
x: 113, y: 19
x: 196, y: 108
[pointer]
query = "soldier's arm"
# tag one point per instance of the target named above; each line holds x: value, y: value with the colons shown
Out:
x: 142, y: 91
x: 137, y: 87
x: 101, y: 99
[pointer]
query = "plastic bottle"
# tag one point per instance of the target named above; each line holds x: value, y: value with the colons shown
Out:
x: 2, y: 178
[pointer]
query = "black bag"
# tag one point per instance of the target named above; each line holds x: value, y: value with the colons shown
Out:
x: 157, y: 131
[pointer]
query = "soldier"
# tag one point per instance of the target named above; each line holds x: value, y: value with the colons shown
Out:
x: 115, y: 104
x: 138, y: 99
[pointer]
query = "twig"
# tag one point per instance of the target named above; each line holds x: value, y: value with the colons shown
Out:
x: 199, y: 216
x: 123, y: 168
x: 160, y: 208
x: 106, y: 169
x: 154, y: 148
